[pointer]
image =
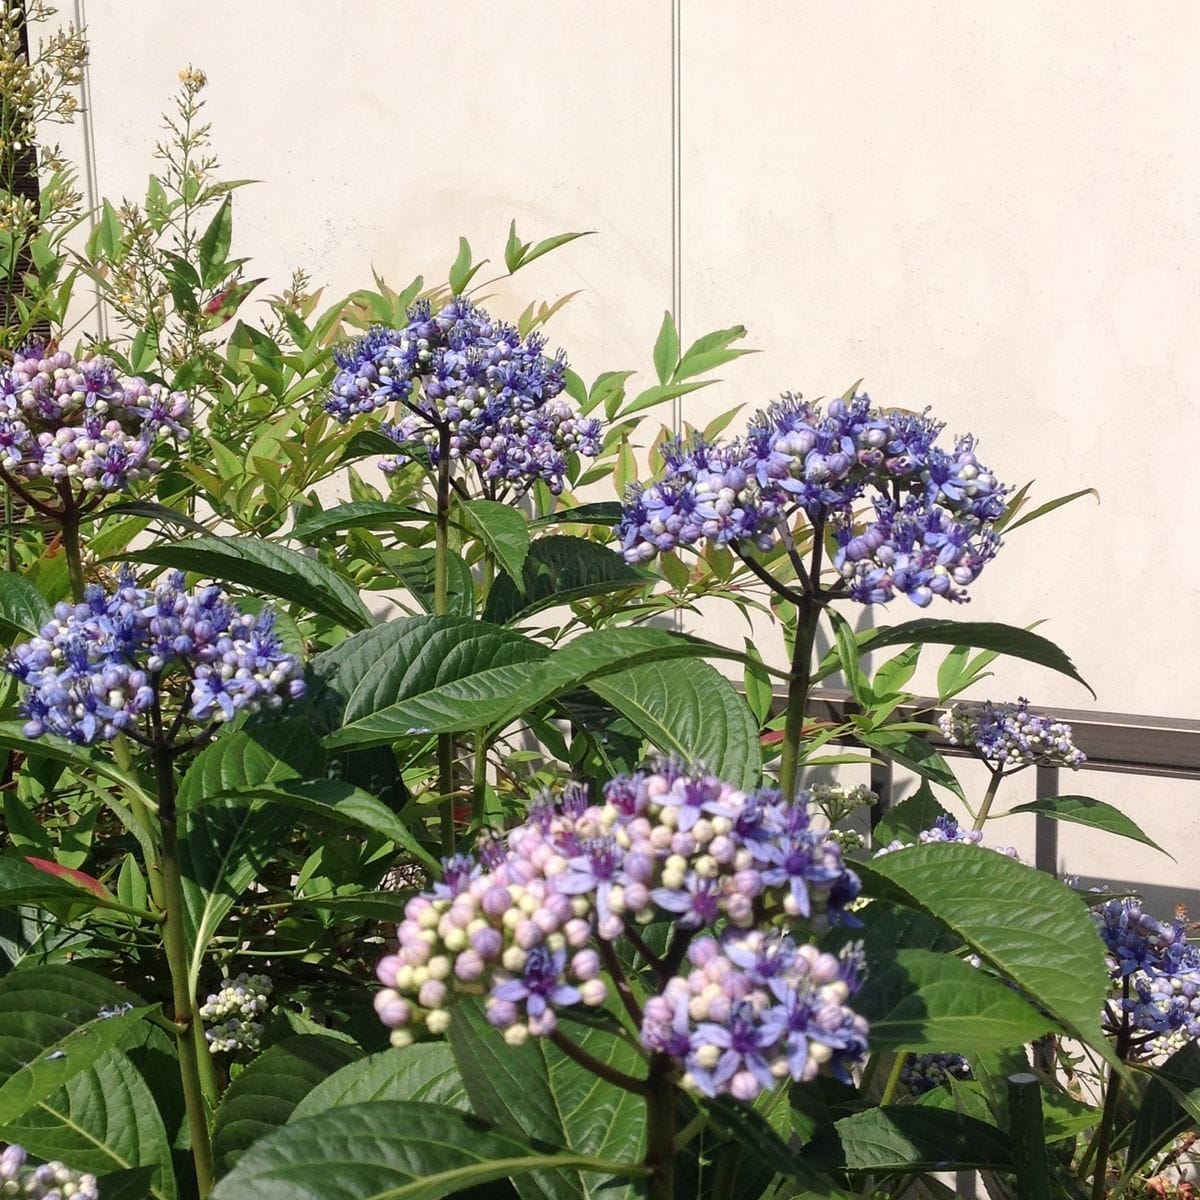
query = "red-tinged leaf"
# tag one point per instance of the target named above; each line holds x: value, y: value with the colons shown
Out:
x: 79, y: 878
x: 225, y: 304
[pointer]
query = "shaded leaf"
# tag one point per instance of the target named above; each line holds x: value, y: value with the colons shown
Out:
x: 1083, y: 810
x: 358, y: 514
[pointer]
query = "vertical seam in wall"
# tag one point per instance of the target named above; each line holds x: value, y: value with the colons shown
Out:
x: 90, y: 177
x: 677, y: 200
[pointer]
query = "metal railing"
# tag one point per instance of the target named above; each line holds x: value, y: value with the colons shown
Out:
x: 1166, y: 747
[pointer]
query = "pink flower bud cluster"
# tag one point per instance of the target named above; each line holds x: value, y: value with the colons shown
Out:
x: 527, y: 927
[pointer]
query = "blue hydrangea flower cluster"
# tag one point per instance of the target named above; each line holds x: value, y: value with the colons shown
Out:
x: 232, y: 1013
x: 106, y: 665
x: 49, y: 1181
x: 1156, y: 972
x: 934, y: 509
x: 1009, y: 736
x: 78, y: 425
x: 529, y: 925
x: 491, y: 390
x: 756, y: 1008
x: 946, y: 829
x: 923, y: 1073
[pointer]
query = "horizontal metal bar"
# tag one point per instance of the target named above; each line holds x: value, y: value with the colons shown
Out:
x: 1130, y: 744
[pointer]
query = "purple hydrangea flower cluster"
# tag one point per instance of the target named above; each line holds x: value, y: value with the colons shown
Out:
x: 922, y: 1073
x: 107, y: 665
x: 530, y: 923
x: 458, y: 371
x: 935, y: 509
x: 50, y: 1181
x: 756, y: 1008
x: 1009, y: 736
x: 78, y: 425
x: 1156, y: 970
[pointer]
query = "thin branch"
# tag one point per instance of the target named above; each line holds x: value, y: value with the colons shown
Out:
x: 600, y: 1069
x: 612, y: 964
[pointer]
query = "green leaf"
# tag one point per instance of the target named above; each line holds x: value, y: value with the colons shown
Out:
x: 707, y: 360
x: 663, y: 392
x: 415, y: 569
x: 909, y: 1138
x: 545, y: 246
x: 266, y: 566
x: 87, y: 760
x: 250, y: 757
x: 496, y: 696
x: 1083, y: 810
x: 394, y: 1150
x: 63, y: 1059
x: 548, y: 1097
x: 359, y: 514
x: 462, y: 272
x: 1048, y: 507
x: 424, y: 1071
x: 428, y: 653
x: 981, y: 635
x: 152, y: 512
x: 719, y: 339
x: 225, y: 304
x: 908, y: 819
x: 929, y: 1002
x: 335, y: 800
x: 757, y: 683
x: 367, y: 443
x: 214, y: 244
x: 666, y: 349
x: 1170, y: 1106
x: 504, y: 531
x: 23, y: 610
x: 514, y: 249
x: 912, y: 752
x: 559, y: 570
x: 687, y: 707
x: 103, y: 1120
x: 264, y: 1096
x: 1027, y: 925
x: 603, y: 512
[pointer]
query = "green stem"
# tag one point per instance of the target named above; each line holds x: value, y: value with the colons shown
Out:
x: 175, y: 940
x: 726, y: 1173
x: 807, y: 616
x: 660, y: 1130
x: 479, y: 780
x: 893, y: 1080
x: 1103, y: 1139
x: 992, y: 788
x: 441, y: 605
x: 74, y: 552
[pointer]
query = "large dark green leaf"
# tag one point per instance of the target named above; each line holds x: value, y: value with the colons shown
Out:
x: 103, y: 1120
x: 335, y: 800
x: 1169, y: 1107
x: 430, y: 653
x: 558, y: 570
x: 23, y: 611
x: 226, y: 843
x: 909, y: 1138
x: 687, y: 707
x: 980, y: 635
x: 267, y: 567
x: 1083, y: 810
x: 1029, y: 926
x: 930, y: 1002
x: 394, y: 1150
x: 913, y: 752
x: 265, y: 1094
x: 603, y: 512
x: 424, y: 1071
x: 41, y: 1007
x: 416, y: 571
x: 358, y: 514
x: 251, y: 757
x: 550, y: 1098
x: 499, y: 695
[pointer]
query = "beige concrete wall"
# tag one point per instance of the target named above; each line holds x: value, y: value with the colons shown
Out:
x: 987, y: 208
